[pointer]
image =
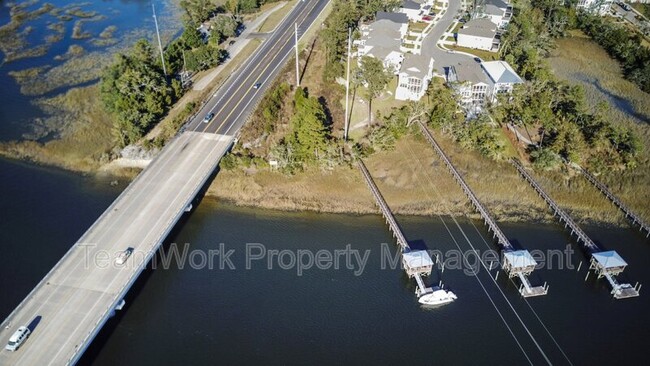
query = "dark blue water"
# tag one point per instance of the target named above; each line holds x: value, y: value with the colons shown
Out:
x: 133, y: 19
x: 331, y: 316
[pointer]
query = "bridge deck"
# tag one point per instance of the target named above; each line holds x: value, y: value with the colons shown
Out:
x: 78, y: 295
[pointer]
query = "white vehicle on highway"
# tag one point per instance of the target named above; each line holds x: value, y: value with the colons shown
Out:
x: 122, y: 257
x: 17, y: 339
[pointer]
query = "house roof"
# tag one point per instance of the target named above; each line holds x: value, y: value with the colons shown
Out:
x: 400, y: 18
x: 416, y: 65
x: 501, y: 72
x: 383, y: 38
x: 417, y: 258
x: 384, y: 33
x: 469, y: 71
x: 609, y: 259
x: 520, y: 258
x: 495, y: 7
x: 481, y: 27
x: 411, y: 4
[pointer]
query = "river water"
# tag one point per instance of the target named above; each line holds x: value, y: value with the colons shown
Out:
x: 269, y: 315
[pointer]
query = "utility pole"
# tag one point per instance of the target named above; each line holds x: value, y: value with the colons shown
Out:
x: 297, y: 61
x: 184, y: 73
x: 162, y: 58
x: 347, y: 88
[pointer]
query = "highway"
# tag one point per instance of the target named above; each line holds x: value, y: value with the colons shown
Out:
x: 238, y: 97
x: 74, y: 300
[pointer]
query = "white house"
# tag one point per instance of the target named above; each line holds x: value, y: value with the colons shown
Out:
x: 478, y: 34
x: 469, y: 81
x: 502, y: 77
x: 398, y: 18
x: 595, y: 6
x: 414, y: 77
x: 382, y: 40
x: 498, y: 12
x: 416, y: 9
x: 478, y: 83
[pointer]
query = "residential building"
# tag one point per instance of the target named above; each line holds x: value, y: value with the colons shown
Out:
x: 502, y: 77
x: 398, y: 18
x: 471, y: 83
x: 498, y: 12
x: 411, y: 9
x: 479, y: 83
x: 382, y: 40
x: 416, y: 9
x: 414, y: 77
x: 479, y: 34
x: 601, y: 7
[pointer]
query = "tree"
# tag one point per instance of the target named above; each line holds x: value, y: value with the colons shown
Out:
x: 204, y: 57
x: 223, y: 26
x: 134, y: 89
x: 198, y: 11
x: 309, y: 132
x: 444, y: 112
x: 375, y: 79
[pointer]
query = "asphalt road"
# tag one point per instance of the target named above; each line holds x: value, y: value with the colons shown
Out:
x: 75, y: 299
x: 442, y: 58
x: 236, y: 100
x: 629, y: 15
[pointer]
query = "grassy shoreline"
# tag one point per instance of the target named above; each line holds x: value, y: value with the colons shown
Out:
x: 411, y: 177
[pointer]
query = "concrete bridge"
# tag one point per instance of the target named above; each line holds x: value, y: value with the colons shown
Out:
x: 75, y: 299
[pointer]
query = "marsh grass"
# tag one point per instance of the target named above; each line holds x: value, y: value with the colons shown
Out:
x: 12, y: 41
x: 84, y: 140
x: 25, y: 75
x: 584, y: 62
x: 74, y: 50
x: 108, y: 32
x: 79, y: 13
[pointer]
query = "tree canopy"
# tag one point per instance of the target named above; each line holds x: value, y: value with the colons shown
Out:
x: 134, y: 89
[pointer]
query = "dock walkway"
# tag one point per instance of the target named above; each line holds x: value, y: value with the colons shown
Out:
x: 636, y: 220
x: 516, y: 262
x: 416, y: 262
x: 604, y: 263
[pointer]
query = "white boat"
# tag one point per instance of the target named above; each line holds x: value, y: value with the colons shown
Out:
x: 437, y: 297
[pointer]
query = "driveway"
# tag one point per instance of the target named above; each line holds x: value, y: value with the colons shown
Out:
x: 443, y: 58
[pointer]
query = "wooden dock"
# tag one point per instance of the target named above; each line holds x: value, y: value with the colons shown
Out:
x: 564, y: 218
x: 516, y: 262
x: 634, y: 218
x: 416, y: 262
x: 604, y: 263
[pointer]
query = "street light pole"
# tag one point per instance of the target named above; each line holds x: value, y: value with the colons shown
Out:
x: 297, y: 61
x: 162, y: 58
x: 347, y: 88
